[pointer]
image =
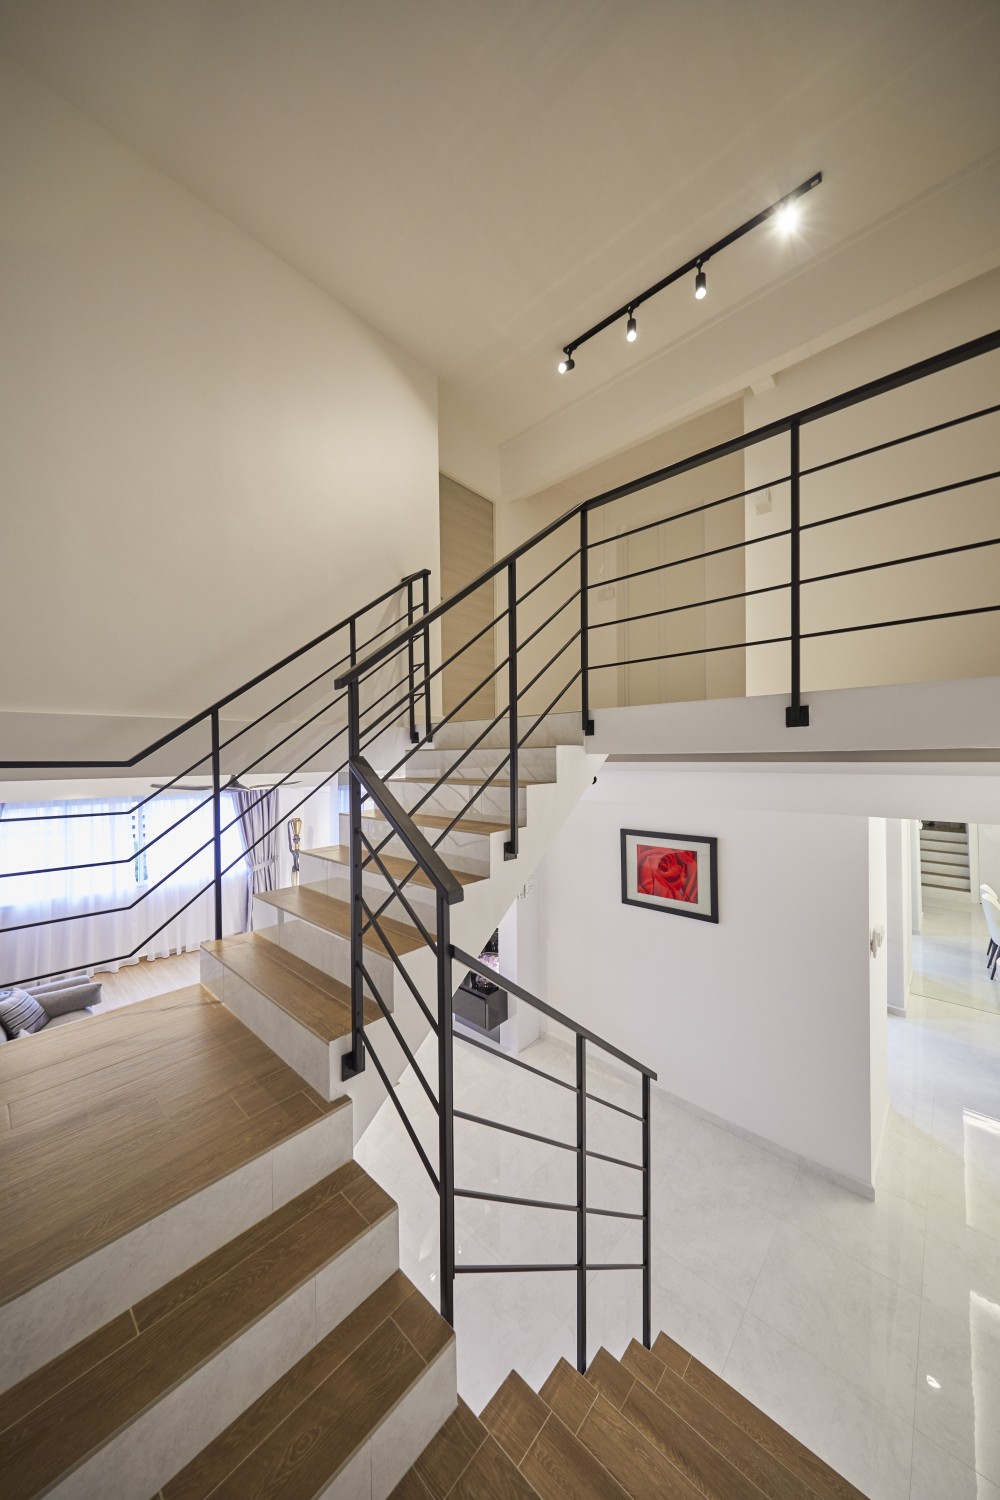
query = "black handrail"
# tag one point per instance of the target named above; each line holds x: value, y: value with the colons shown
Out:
x: 880, y: 386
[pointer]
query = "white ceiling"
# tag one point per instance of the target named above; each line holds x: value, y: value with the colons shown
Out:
x: 482, y: 179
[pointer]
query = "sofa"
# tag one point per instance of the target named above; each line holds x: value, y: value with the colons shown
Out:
x: 60, y: 1001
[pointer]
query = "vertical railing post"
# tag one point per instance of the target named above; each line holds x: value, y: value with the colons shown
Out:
x: 217, y: 820
x: 588, y: 723
x: 446, y: 1115
x: 797, y: 712
x: 426, y: 601
x: 510, y: 847
x: 411, y: 665
x: 354, y: 1061
x: 581, y: 1205
x: 647, y: 1236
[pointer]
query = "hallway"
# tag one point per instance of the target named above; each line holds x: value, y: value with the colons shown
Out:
x: 871, y: 1331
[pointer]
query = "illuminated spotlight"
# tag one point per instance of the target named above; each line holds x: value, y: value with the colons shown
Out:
x: 566, y: 363
x: 631, y: 332
x: 700, y: 285
x: 787, y: 218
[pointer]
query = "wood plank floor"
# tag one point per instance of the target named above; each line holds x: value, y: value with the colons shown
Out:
x: 315, y: 999
x: 116, y: 1118
x: 335, y: 916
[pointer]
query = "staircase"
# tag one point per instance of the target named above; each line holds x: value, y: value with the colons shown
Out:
x: 652, y: 1425
x: 289, y: 980
x: 944, y: 857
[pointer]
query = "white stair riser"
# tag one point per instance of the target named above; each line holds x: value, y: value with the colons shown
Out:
x: 492, y: 804
x: 152, y: 1449
x: 468, y: 852
x: 61, y: 1311
x: 533, y: 765
x: 556, y: 729
x: 327, y: 951
x: 337, y: 885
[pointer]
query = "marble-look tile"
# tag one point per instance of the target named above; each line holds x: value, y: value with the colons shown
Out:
x: 886, y: 1235
x: 938, y: 1476
x: 354, y: 1482
x: 958, y: 1383
x: 140, y: 1459
x: 300, y: 1048
x: 960, y: 1262
x: 413, y: 1421
x: 868, y: 1445
x: 716, y: 1233
x: 697, y: 1316
x: 345, y: 1283
x: 740, y: 1165
x: 860, y: 1324
x: 311, y: 1154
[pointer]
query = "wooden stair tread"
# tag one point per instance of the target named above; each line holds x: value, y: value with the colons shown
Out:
x: 444, y: 820
x: 334, y: 916
x: 149, y: 1105
x: 720, y: 1457
x: 399, y: 869
x: 443, y: 779
x: 315, y: 999
x: 445, y: 1459
x: 88, y: 1395
x: 553, y: 1460
x: 301, y: 1432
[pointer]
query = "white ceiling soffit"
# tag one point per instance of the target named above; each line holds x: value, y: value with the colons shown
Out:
x: 483, y: 181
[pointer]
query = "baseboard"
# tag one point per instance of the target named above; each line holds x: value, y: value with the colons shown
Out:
x: 841, y: 1179
x: 897, y: 1010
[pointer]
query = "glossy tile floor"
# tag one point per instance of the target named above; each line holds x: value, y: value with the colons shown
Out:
x: 949, y: 957
x: 869, y: 1330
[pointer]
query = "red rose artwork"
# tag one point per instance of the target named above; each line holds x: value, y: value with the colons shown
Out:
x: 667, y: 872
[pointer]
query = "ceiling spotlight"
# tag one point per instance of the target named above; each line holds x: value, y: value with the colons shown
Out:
x: 700, y: 285
x: 787, y: 217
x: 631, y: 332
x: 566, y: 363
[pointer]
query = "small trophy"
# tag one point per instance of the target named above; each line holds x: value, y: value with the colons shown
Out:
x: 294, y: 843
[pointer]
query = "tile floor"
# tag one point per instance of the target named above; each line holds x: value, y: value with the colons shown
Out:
x: 949, y: 957
x: 869, y: 1330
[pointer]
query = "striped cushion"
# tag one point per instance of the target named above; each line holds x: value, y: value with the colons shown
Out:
x: 20, y: 1011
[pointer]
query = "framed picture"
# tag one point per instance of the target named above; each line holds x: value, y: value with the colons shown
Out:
x: 671, y: 872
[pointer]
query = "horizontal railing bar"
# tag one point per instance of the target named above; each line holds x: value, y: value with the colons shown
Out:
x: 546, y: 711
x: 550, y: 663
x: 530, y: 1135
x: 510, y: 988
x: 947, y: 614
x: 538, y: 630
x: 618, y: 1161
x: 550, y: 574
x: 676, y: 609
x: 398, y: 964
x: 404, y: 1046
x: 695, y: 510
x: 515, y: 1270
x: 515, y: 1062
x: 517, y: 1202
x: 618, y: 1108
x: 615, y: 1265
x: 107, y: 864
x: 866, y: 510
x: 678, y: 562
x: 973, y: 349
x: 400, y: 1111
x: 397, y: 893
x: 636, y: 661
x: 612, y: 1213
x: 898, y: 562
x: 907, y: 437
x: 206, y: 713
x: 272, y: 749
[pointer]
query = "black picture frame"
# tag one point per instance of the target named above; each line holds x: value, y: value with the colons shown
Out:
x: 662, y: 904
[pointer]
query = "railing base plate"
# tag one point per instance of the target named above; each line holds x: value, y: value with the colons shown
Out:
x: 797, y: 718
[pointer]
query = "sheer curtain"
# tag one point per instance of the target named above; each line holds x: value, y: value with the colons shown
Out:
x: 110, y: 831
x: 258, y: 813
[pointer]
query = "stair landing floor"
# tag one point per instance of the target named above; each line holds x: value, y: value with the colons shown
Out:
x: 112, y: 1120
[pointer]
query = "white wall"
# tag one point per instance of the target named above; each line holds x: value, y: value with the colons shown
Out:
x: 205, y: 460
x: 764, y: 1020
x: 899, y: 916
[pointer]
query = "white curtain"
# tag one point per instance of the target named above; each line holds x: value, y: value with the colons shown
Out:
x: 258, y: 814
x: 110, y: 831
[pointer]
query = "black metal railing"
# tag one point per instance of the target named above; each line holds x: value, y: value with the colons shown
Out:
x: 559, y: 674
x: 295, y: 752
x: 366, y: 783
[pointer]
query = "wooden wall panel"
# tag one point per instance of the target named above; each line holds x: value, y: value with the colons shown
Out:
x: 466, y: 549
